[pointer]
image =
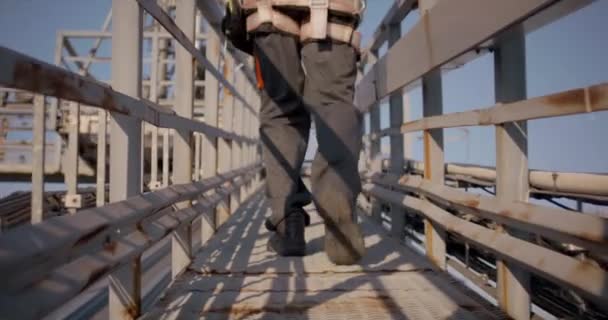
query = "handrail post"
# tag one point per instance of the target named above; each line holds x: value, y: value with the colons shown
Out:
x: 125, y: 146
x: 102, y: 130
x: 196, y: 174
x: 512, y: 163
x: 245, y: 134
x: 154, y: 183
x: 256, y: 148
x: 166, y: 136
x: 375, y: 154
x: 210, y: 154
x: 72, y: 198
x: 38, y: 148
x: 397, y: 148
x: 181, y: 240
x: 224, y: 145
x: 434, y: 170
x: 248, y: 125
x: 237, y: 146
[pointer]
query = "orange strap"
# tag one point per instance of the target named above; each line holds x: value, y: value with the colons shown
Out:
x: 258, y: 73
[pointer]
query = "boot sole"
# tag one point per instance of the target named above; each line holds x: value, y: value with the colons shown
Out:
x: 344, y: 245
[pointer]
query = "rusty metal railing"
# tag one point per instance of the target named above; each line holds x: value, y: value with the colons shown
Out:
x: 216, y: 166
x: 216, y: 163
x: 505, y: 226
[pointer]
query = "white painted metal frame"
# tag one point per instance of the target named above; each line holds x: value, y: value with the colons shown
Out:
x: 131, y: 226
x: 448, y: 31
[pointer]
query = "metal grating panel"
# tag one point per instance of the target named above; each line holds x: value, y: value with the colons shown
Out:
x: 233, y: 277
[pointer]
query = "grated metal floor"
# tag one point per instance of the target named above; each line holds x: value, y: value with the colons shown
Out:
x: 234, y: 277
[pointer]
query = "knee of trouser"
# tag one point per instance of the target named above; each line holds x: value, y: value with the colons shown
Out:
x: 339, y: 179
x: 340, y: 153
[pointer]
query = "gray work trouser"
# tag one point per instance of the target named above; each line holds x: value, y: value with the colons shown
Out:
x: 303, y: 81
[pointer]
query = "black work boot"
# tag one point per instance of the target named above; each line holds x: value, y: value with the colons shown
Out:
x: 288, y: 239
x: 271, y: 227
x: 344, y: 244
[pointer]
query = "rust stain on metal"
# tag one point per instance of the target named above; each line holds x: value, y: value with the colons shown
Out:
x: 139, y: 226
x: 90, y: 235
x: 566, y: 99
x: 484, y: 117
x: 110, y: 246
x: 427, y: 35
x: 109, y: 103
x: 472, y: 203
x: 505, y: 213
x: 427, y: 155
x: 521, y: 215
x: 37, y: 78
x: 131, y: 312
x: 591, y: 236
x: 98, y: 274
x: 503, y: 285
x: 598, y: 96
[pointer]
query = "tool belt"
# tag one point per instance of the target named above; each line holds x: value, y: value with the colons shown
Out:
x: 324, y: 19
x: 234, y: 27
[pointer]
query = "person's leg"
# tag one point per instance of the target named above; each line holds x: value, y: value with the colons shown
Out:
x: 284, y: 129
x: 329, y: 89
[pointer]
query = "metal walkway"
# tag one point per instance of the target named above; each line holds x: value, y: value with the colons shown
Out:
x: 235, y: 277
x: 197, y: 223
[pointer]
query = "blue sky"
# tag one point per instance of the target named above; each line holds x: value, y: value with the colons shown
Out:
x: 567, y: 54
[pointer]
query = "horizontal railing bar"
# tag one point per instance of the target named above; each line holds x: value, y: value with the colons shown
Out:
x: 198, y: 83
x: 588, y: 279
x: 582, y: 100
x: 95, y: 34
x: 587, y: 231
x: 22, y: 72
x: 398, y: 11
x: 57, y: 241
x: 402, y: 8
x: 447, y: 31
x: 165, y: 20
x: 71, y: 279
x: 88, y: 307
x: 87, y: 59
x: 213, y: 12
x: 572, y: 183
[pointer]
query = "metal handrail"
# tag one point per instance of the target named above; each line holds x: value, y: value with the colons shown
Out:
x: 23, y: 72
x: 76, y: 251
x: 447, y: 35
x: 70, y: 253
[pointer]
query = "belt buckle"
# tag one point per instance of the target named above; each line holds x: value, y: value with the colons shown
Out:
x: 318, y: 4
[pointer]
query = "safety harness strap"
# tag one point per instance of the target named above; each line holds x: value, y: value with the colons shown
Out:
x: 279, y: 20
x: 316, y: 28
x: 349, y: 7
x: 335, y: 31
x: 319, y: 13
